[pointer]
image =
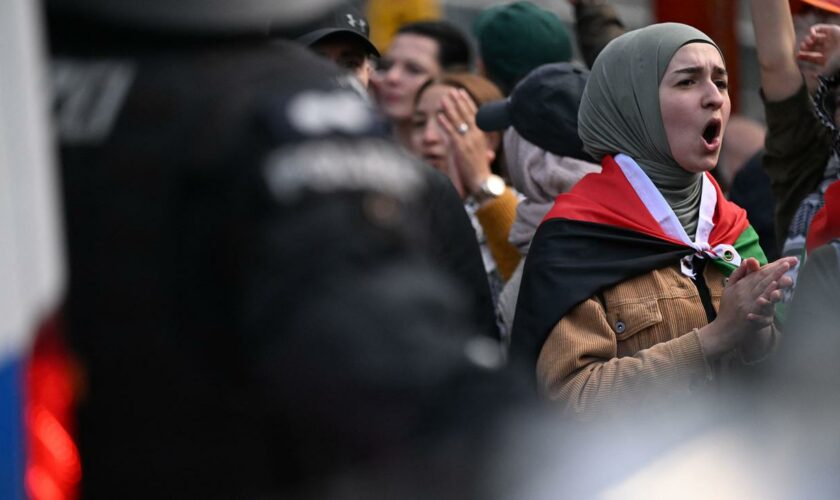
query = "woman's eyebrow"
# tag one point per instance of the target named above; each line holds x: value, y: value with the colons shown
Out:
x: 692, y: 70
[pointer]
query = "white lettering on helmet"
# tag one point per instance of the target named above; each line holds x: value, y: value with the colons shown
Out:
x: 317, y: 112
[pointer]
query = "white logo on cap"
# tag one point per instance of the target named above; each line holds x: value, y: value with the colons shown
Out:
x: 352, y: 21
x: 319, y: 112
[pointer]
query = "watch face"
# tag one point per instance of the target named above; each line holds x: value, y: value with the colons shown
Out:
x: 495, y: 185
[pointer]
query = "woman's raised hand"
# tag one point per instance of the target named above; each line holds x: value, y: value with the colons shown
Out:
x: 747, y: 304
x: 822, y: 47
x: 470, y: 154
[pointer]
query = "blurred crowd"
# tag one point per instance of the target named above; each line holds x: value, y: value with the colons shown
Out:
x: 523, y: 260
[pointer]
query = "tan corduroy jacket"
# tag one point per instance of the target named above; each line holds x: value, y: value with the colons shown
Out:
x: 636, y: 343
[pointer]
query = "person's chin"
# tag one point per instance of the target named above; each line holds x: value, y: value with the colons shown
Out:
x: 395, y: 110
x: 697, y: 167
x: 701, y: 163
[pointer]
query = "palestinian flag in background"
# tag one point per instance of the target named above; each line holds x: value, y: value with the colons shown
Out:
x: 611, y: 227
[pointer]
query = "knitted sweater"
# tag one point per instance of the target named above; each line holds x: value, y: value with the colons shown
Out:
x: 496, y: 218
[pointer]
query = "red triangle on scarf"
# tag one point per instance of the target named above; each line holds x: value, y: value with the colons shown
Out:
x: 593, y: 199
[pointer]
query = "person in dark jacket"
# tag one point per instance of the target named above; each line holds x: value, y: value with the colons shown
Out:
x: 252, y: 294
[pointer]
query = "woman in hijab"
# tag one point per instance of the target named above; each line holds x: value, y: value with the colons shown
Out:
x: 644, y: 282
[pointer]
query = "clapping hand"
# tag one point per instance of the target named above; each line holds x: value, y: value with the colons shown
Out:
x: 747, y: 306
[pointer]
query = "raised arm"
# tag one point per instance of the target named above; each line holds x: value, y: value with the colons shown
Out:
x: 775, y: 42
x: 596, y: 24
x: 797, y: 147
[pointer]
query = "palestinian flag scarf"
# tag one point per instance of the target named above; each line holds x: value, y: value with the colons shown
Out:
x: 611, y: 227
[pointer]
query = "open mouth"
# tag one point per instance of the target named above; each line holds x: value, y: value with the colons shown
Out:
x: 711, y: 131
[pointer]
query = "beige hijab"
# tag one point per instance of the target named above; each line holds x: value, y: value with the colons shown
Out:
x: 540, y: 176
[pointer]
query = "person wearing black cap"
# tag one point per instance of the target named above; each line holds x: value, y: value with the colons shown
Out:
x: 343, y: 37
x: 542, y: 108
x: 544, y: 154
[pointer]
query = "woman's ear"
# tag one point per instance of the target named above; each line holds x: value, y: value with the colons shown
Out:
x: 494, y: 141
x: 491, y: 155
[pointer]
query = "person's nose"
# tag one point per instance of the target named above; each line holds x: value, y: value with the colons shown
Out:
x: 431, y: 132
x: 392, y: 75
x: 714, y: 97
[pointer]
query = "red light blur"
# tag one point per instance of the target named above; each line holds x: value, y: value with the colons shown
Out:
x: 53, y: 470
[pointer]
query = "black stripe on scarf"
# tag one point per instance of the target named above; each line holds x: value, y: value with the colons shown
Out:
x: 570, y: 261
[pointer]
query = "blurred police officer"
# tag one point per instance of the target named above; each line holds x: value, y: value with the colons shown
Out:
x: 249, y: 293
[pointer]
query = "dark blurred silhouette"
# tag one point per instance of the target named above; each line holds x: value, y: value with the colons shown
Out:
x: 260, y: 291
x: 751, y: 190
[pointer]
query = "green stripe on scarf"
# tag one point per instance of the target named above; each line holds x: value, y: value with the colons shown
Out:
x: 747, y: 246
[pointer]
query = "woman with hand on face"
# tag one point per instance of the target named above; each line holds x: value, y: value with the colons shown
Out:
x: 444, y: 134
x: 644, y: 283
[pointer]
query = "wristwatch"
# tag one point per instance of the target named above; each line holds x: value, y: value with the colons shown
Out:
x: 492, y: 187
